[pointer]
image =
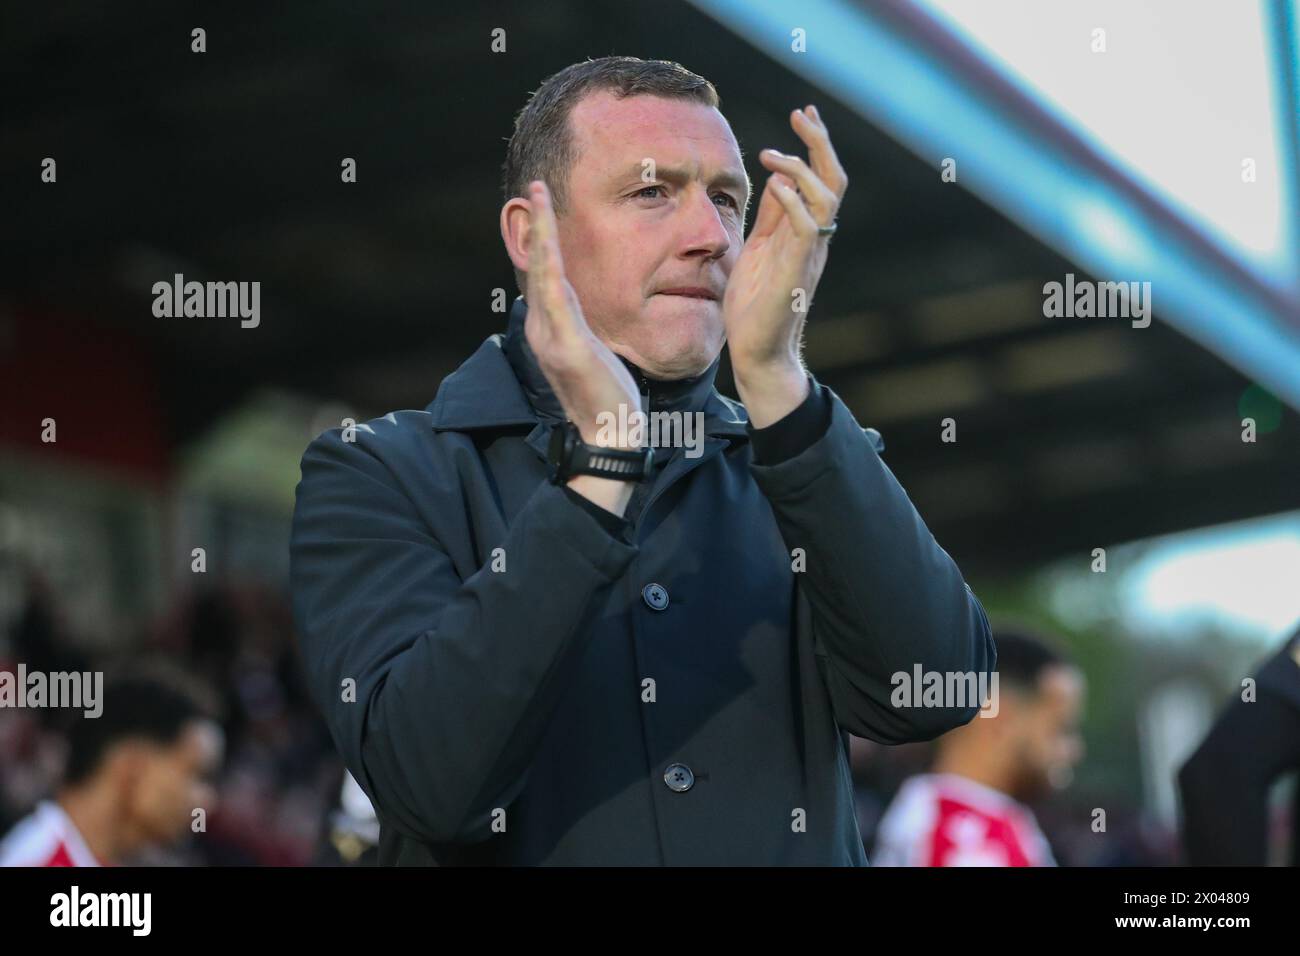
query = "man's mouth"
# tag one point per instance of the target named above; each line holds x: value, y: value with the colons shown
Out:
x: 691, y: 292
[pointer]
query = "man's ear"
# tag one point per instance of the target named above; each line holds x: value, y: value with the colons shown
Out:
x: 516, y: 219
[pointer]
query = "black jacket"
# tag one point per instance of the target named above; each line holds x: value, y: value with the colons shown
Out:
x: 1226, y: 783
x: 538, y: 682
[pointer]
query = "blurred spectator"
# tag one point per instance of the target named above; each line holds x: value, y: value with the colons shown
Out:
x: 39, y: 637
x: 968, y: 810
x: 135, y: 775
x: 281, y: 775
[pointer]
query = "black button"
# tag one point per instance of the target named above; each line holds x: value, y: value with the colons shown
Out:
x: 655, y: 596
x: 679, y: 777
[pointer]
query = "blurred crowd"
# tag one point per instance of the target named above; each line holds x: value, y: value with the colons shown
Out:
x: 279, y: 778
x: 210, y: 713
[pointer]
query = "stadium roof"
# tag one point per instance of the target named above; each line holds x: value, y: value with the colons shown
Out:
x: 1072, y: 433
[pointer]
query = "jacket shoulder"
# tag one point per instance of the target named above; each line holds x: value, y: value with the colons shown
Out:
x: 394, y: 449
x: 385, y: 433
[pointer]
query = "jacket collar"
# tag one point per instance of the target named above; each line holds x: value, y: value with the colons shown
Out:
x: 502, y: 385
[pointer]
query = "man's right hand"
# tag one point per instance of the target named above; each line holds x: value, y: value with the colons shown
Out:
x: 587, y: 377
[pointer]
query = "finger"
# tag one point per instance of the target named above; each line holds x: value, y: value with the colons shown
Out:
x: 817, y: 193
x: 796, y: 210
x: 544, y: 252
x: 820, y: 199
x: 542, y: 243
x: 538, y: 208
x: 810, y: 128
x: 769, y: 211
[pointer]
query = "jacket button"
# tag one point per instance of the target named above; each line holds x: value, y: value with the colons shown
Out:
x: 679, y: 777
x: 655, y: 596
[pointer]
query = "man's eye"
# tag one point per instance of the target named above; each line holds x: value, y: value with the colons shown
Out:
x: 641, y: 193
x: 730, y: 201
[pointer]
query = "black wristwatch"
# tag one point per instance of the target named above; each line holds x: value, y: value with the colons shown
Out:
x: 569, y: 455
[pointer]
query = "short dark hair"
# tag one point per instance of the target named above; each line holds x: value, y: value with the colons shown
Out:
x: 152, y: 702
x: 1024, y: 655
x: 541, y: 146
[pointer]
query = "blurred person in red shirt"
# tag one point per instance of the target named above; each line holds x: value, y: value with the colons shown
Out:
x: 970, y: 809
x: 135, y: 775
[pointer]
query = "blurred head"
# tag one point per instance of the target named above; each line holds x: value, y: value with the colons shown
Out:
x: 650, y: 193
x: 1033, y: 744
x: 150, y: 754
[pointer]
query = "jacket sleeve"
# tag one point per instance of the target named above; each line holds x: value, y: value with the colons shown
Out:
x: 884, y: 597
x: 454, y: 680
x: 1225, y: 784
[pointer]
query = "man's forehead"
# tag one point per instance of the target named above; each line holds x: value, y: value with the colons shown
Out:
x: 653, y: 126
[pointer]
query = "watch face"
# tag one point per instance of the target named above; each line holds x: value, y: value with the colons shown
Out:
x: 555, y: 451
x: 564, y: 436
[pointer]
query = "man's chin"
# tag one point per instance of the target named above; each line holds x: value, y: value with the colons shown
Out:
x: 673, y: 336
x: 1058, y: 778
x: 685, y: 308
x: 662, y: 360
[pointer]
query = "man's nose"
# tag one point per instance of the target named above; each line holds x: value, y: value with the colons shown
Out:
x: 705, y: 233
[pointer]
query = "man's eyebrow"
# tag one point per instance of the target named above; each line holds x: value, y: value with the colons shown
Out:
x: 727, y: 178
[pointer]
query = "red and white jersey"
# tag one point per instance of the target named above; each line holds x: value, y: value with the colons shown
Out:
x: 942, y: 819
x: 46, y: 837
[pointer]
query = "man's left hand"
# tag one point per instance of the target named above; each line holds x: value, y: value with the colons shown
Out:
x: 773, y: 281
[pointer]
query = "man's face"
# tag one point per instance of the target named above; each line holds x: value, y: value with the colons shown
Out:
x: 655, y: 206
x: 174, y: 780
x: 1049, y: 744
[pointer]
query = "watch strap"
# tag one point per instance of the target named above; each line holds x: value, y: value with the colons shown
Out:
x: 570, y: 455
